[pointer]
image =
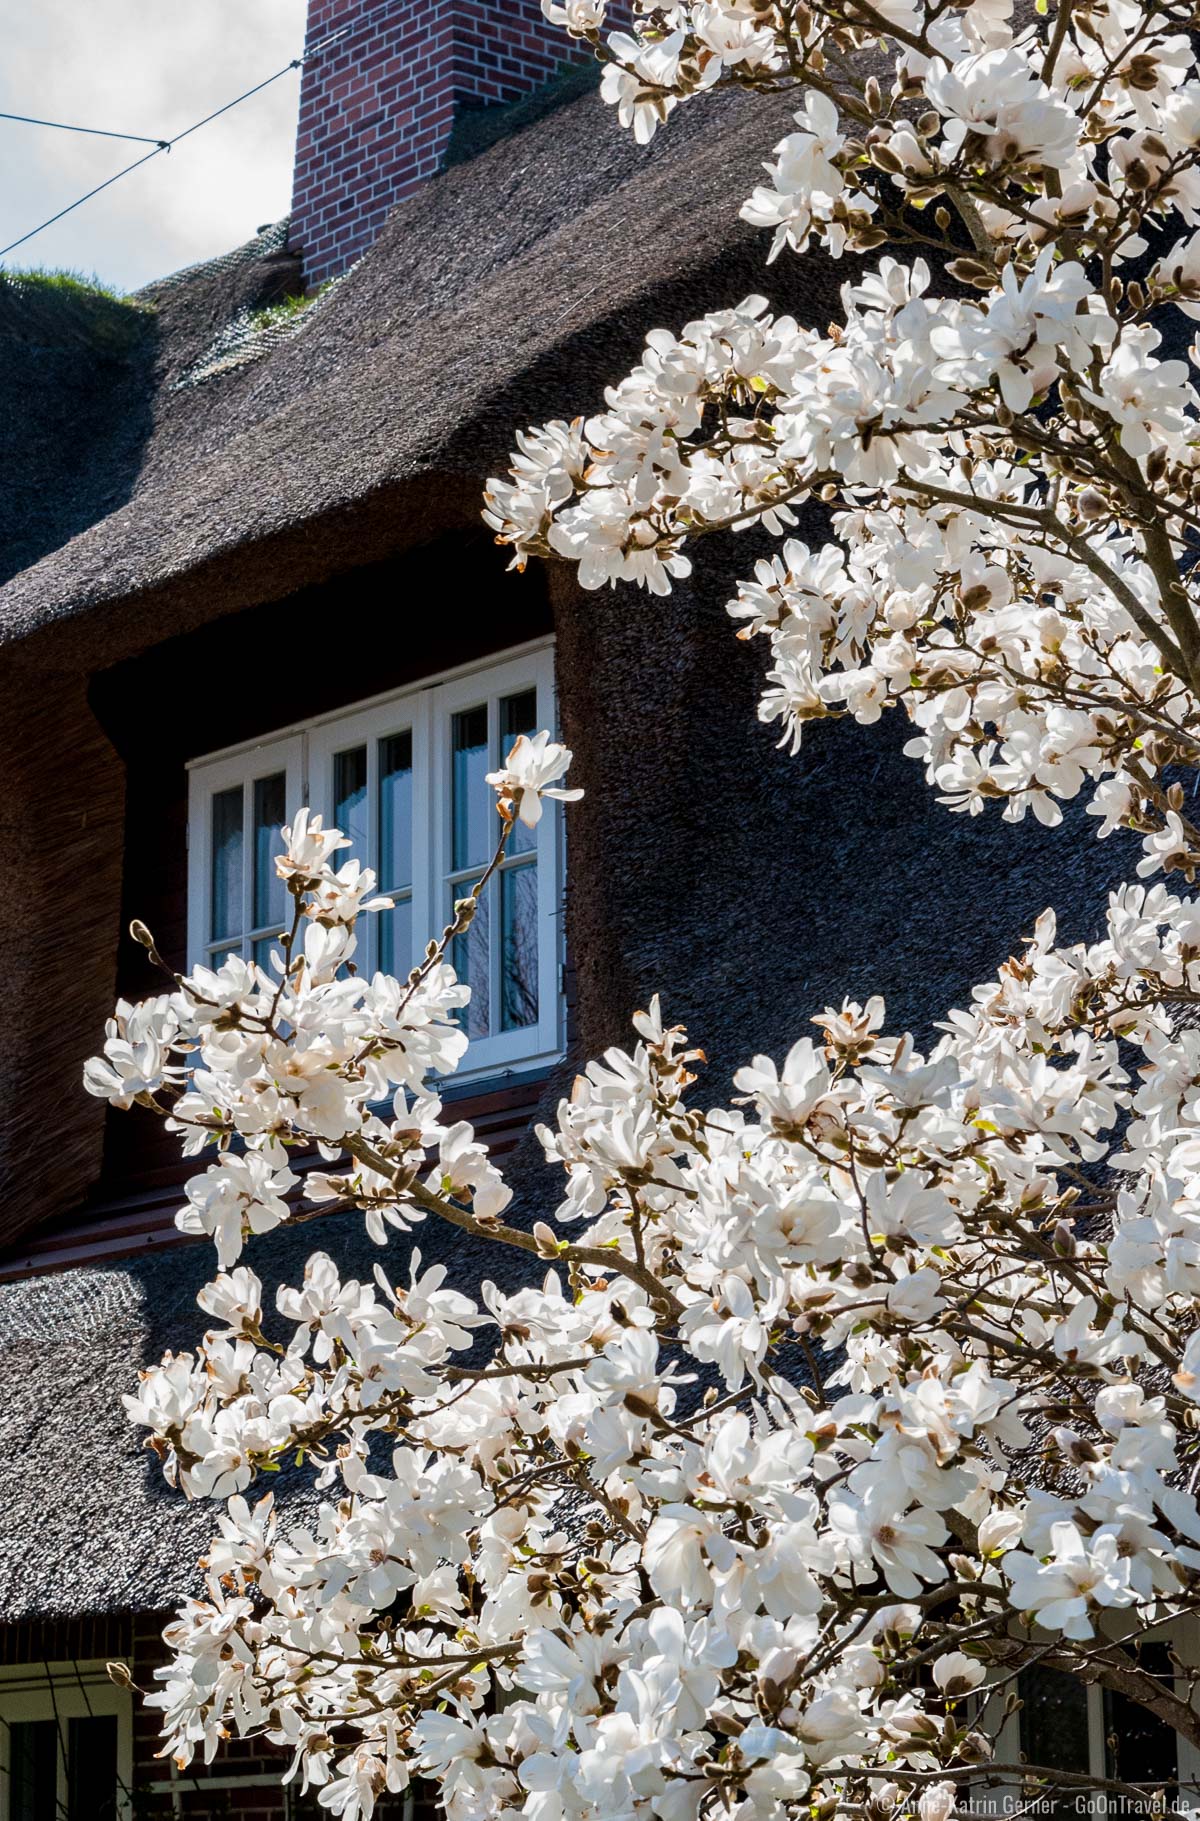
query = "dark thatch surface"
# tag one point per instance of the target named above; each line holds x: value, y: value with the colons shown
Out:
x: 750, y: 888
x: 465, y: 320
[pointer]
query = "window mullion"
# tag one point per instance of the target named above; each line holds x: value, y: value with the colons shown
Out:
x: 496, y: 921
x: 428, y: 791
x: 372, y: 857
x: 249, y: 857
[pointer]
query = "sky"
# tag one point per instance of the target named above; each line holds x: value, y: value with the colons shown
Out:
x: 152, y: 67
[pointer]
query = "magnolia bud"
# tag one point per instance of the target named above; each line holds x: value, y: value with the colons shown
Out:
x: 546, y: 1240
x: 884, y: 159
x: 972, y: 272
x: 1091, y: 504
x: 139, y: 932
x: 1064, y: 1240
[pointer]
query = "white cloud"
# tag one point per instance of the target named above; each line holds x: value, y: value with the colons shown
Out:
x: 152, y: 67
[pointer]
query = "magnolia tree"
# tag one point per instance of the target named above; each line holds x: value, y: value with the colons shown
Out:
x: 824, y: 1414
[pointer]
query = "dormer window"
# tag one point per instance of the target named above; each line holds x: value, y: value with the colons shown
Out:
x: 404, y: 778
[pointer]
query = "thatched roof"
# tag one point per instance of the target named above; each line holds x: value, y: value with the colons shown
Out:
x: 507, y: 289
x: 750, y: 887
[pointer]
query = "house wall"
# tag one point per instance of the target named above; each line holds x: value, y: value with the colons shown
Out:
x: 378, y: 107
x: 750, y: 887
x: 62, y: 811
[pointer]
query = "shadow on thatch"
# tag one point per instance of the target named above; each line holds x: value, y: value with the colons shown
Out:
x: 74, y: 411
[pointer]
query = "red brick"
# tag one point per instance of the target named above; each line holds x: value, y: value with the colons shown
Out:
x: 377, y: 109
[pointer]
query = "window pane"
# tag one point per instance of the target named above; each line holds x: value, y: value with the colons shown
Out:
x: 518, y: 714
x: 395, y: 938
x: 1139, y: 1748
x: 33, y: 1749
x: 270, y: 813
x: 395, y: 812
x: 350, y: 800
x: 469, y: 958
x: 474, y: 823
x: 1054, y: 1733
x: 519, y: 907
x: 92, y: 1768
x: 227, y: 863
x: 262, y: 953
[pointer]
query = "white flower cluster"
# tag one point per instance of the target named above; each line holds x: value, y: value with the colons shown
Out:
x: 1012, y: 462
x: 754, y: 1453
x: 824, y: 1412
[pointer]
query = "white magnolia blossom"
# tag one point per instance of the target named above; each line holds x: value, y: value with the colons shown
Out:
x: 529, y: 775
x: 754, y: 1445
x: 1012, y: 462
x: 818, y: 1414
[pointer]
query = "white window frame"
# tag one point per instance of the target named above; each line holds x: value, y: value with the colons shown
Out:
x: 246, y: 768
x: 506, y: 1047
x: 64, y: 1692
x: 305, y: 753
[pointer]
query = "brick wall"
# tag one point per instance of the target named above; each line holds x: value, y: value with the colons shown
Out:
x: 377, y: 108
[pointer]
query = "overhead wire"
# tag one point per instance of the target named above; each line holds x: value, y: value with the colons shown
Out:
x: 157, y: 146
x: 96, y: 132
x: 165, y: 145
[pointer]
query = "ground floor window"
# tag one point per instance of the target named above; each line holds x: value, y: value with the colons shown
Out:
x: 1068, y: 1725
x: 65, y: 1744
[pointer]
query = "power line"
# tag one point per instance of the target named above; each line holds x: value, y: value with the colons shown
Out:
x: 164, y: 145
x: 161, y: 145
x: 96, y: 132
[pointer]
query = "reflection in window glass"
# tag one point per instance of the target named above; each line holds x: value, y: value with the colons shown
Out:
x: 519, y: 908
x: 33, y: 1777
x: 227, y: 863
x: 262, y: 948
x: 470, y: 962
x: 1054, y: 1732
x: 395, y: 938
x: 395, y: 927
x: 518, y: 715
x: 472, y: 820
x: 270, y: 813
x: 395, y: 812
x: 350, y: 801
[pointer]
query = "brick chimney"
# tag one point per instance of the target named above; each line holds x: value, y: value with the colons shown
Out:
x: 378, y: 105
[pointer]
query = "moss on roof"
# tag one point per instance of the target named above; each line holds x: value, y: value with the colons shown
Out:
x: 59, y: 278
